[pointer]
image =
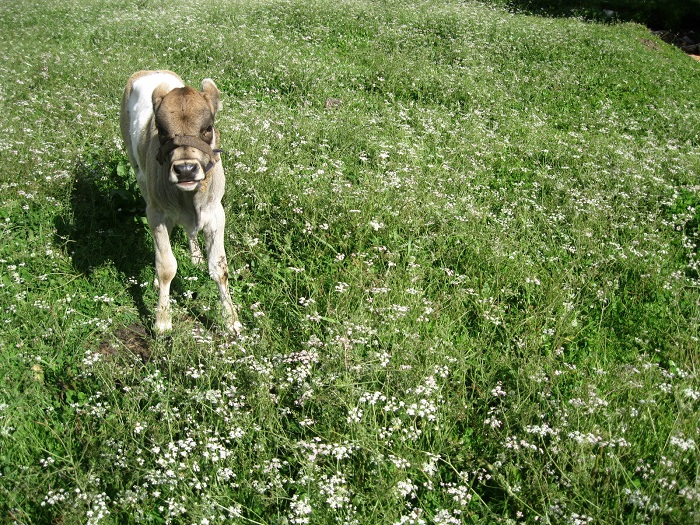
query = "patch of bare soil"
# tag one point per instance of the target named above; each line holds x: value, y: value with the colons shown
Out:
x: 132, y: 338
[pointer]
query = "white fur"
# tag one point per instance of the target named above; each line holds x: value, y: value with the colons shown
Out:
x: 140, y: 105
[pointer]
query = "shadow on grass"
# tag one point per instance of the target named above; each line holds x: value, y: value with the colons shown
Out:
x: 106, y: 223
x: 656, y: 14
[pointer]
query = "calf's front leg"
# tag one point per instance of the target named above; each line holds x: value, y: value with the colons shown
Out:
x: 218, y: 266
x: 166, y: 267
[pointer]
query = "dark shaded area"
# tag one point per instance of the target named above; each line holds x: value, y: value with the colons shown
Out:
x: 106, y: 223
x: 670, y: 15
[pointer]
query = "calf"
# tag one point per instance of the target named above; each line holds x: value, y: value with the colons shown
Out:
x: 168, y: 130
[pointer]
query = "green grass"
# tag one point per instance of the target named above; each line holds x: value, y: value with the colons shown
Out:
x: 469, y: 291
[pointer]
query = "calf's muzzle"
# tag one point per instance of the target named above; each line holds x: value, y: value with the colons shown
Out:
x: 178, y: 141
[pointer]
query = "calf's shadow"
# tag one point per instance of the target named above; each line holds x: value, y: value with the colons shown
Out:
x: 106, y: 223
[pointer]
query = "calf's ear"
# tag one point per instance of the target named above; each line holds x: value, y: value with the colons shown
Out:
x: 158, y: 95
x: 211, y: 94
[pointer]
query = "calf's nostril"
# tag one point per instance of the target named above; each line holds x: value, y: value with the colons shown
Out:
x: 186, y: 171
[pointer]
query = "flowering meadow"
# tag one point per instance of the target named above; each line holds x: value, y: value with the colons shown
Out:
x: 464, y: 243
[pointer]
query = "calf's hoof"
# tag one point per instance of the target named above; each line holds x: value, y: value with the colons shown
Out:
x: 164, y: 322
x: 235, y: 327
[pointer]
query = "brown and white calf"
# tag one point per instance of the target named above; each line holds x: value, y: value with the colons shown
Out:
x: 168, y: 130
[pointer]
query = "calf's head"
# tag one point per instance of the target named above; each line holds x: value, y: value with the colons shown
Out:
x: 184, y: 119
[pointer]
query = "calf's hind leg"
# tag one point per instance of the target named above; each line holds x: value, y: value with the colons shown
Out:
x: 193, y: 244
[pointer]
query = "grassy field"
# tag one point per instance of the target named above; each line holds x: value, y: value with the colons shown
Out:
x: 465, y: 248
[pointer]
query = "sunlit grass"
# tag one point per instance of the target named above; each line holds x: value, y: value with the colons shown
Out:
x: 464, y: 244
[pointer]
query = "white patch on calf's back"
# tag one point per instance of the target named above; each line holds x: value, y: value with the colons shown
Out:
x: 140, y: 105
